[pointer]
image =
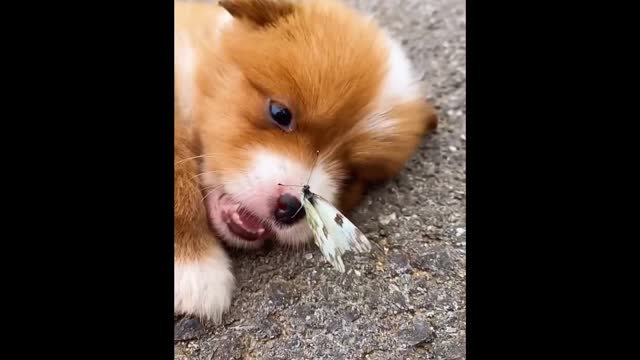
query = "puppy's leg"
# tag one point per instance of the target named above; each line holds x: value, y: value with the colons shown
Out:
x: 352, y: 195
x: 202, y: 271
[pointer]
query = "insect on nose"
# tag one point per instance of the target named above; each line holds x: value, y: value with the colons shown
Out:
x: 289, y: 210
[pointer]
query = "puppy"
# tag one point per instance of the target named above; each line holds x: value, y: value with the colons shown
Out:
x: 263, y: 90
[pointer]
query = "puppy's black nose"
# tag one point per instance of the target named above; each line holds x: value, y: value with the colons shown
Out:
x: 289, y: 210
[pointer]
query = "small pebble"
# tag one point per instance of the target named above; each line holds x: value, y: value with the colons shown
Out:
x: 385, y: 220
x: 308, y: 256
x: 187, y: 329
x: 417, y: 334
x: 460, y: 231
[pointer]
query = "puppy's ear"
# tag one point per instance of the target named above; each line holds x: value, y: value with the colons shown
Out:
x: 378, y: 157
x: 258, y: 12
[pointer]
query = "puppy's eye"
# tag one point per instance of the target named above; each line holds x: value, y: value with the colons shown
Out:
x: 281, y: 116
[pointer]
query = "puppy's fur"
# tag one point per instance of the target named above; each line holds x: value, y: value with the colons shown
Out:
x: 353, y: 97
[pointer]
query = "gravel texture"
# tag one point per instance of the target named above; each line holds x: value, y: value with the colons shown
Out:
x: 404, y: 302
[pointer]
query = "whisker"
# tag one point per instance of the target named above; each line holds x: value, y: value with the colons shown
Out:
x: 202, y: 173
x: 211, y: 192
x: 211, y: 187
x: 245, y: 211
x: 195, y: 157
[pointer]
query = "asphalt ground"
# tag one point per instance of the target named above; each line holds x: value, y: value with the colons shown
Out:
x: 405, y: 303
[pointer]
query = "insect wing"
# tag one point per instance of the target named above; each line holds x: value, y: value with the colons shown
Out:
x: 334, y: 234
x: 343, y: 232
x: 321, y: 236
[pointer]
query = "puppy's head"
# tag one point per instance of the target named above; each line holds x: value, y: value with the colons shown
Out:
x: 298, y: 92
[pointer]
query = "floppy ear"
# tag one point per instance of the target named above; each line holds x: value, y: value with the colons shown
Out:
x: 379, y: 157
x: 258, y: 12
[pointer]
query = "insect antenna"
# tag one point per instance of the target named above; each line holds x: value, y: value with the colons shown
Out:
x: 313, y: 166
x: 304, y: 186
x: 310, y: 173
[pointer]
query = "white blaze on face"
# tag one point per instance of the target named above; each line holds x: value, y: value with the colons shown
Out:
x: 258, y: 190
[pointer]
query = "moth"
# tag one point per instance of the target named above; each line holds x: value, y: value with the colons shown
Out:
x: 333, y: 233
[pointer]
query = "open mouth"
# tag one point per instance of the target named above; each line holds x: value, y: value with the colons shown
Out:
x: 240, y: 221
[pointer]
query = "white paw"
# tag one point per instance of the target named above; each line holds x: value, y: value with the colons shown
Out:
x: 204, y: 287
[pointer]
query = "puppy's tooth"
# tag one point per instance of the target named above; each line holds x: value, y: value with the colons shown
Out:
x: 236, y: 218
x: 260, y: 232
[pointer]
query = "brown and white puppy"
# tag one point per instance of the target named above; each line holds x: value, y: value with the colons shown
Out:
x: 260, y: 87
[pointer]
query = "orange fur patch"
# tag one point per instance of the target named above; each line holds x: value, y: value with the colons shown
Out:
x: 322, y: 60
